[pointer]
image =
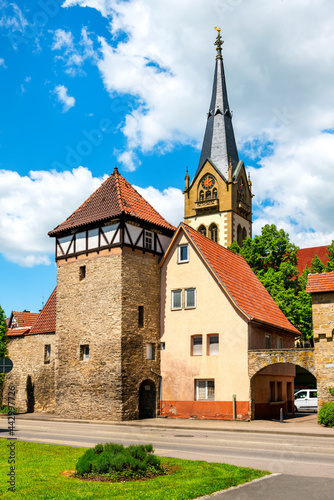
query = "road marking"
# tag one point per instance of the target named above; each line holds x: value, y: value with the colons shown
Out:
x: 221, y: 492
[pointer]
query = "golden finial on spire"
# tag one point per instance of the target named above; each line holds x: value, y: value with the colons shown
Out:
x: 219, y: 42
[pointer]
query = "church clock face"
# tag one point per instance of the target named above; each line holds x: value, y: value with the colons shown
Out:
x: 208, y: 182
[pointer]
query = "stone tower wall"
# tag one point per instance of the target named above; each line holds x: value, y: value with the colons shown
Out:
x: 89, y: 313
x: 323, y: 327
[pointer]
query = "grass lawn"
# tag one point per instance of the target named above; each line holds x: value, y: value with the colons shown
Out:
x: 39, y: 468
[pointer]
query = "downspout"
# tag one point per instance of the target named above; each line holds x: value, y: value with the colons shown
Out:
x: 160, y: 387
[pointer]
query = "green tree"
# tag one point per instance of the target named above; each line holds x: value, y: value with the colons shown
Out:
x: 3, y: 346
x: 273, y: 259
x: 317, y: 266
x: 330, y: 264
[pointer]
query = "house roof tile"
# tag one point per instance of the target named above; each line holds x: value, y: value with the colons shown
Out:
x: 240, y: 282
x: 24, y: 318
x: 114, y: 198
x: 323, y: 282
x: 46, y: 321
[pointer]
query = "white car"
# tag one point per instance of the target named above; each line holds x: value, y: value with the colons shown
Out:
x: 306, y: 399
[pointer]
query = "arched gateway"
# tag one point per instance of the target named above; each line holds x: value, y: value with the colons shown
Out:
x: 147, y: 399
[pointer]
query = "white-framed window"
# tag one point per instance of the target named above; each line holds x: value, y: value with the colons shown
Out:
x: 148, y: 243
x: 196, y: 345
x: 183, y: 253
x: 279, y: 342
x: 150, y: 351
x: 176, y: 299
x: 84, y: 352
x: 47, y: 353
x: 190, y: 297
x: 205, y: 390
x: 267, y: 341
x: 213, y: 345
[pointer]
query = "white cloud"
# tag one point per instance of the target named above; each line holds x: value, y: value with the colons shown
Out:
x: 2, y: 63
x: 12, y: 17
x: 169, y: 202
x: 279, y: 71
x: 73, y: 56
x: 66, y: 100
x: 61, y: 39
x: 33, y: 205
x: 129, y: 160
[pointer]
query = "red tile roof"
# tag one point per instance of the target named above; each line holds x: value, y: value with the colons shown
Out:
x: 24, y: 319
x: 46, y: 321
x: 17, y: 332
x: 306, y: 255
x: 115, y: 197
x: 240, y: 282
x: 323, y: 282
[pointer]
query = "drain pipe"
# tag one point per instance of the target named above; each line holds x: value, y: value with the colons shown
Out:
x: 160, y: 387
x: 233, y: 405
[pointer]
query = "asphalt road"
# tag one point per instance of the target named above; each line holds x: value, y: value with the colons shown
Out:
x: 307, y: 456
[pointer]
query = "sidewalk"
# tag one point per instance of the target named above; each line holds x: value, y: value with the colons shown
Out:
x: 305, y: 425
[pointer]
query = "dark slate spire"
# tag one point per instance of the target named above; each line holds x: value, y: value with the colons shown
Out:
x: 219, y: 142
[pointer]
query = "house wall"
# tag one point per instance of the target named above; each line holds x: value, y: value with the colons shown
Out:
x: 257, y: 337
x: 213, y: 314
x: 32, y: 378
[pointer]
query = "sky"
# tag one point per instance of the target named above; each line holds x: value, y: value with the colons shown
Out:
x: 89, y: 84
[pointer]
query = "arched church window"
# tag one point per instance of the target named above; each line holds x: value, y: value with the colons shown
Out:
x: 214, y: 193
x: 208, y: 195
x: 201, y: 196
x: 239, y: 235
x: 213, y: 230
x: 202, y: 230
x: 244, y: 234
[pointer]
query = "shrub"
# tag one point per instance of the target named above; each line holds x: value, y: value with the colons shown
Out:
x: 9, y: 409
x: 118, y: 462
x: 326, y: 414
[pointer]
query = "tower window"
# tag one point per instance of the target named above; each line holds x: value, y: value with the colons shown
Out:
x: 47, y: 353
x: 208, y: 195
x: 148, y: 240
x: 244, y: 234
x: 213, y: 232
x: 82, y: 273
x: 140, y: 316
x: 202, y: 230
x: 150, y: 351
x: 201, y: 196
x: 214, y: 193
x: 84, y: 352
x: 239, y: 235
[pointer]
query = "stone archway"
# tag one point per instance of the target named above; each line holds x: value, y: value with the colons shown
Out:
x: 147, y: 399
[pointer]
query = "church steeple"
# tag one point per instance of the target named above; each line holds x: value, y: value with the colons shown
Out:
x: 219, y: 143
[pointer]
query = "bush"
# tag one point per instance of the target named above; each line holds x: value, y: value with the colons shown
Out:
x: 326, y: 414
x: 9, y: 409
x: 118, y: 462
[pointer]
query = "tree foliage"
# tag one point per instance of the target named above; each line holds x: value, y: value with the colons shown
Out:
x: 273, y: 259
x: 3, y: 336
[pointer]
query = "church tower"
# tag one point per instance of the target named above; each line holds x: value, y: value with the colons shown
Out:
x: 218, y: 201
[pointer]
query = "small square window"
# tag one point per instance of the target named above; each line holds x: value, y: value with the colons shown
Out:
x: 82, y: 273
x: 148, y: 243
x: 47, y: 353
x: 196, y: 345
x: 183, y: 253
x: 190, y: 297
x: 140, y: 316
x: 84, y: 352
x: 213, y: 345
x: 205, y: 390
x: 176, y: 299
x: 150, y: 351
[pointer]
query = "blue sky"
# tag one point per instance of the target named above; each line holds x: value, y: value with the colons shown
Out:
x: 88, y: 84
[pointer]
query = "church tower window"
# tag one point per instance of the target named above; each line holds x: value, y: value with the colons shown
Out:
x: 214, y: 193
x: 202, y: 230
x: 239, y: 235
x: 244, y: 234
x: 208, y: 195
x: 213, y: 231
x: 201, y: 196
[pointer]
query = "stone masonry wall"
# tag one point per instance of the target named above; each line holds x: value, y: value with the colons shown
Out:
x: 32, y: 378
x: 89, y: 313
x: 323, y: 327
x: 140, y: 287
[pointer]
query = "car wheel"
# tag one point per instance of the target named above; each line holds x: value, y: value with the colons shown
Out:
x: 296, y: 409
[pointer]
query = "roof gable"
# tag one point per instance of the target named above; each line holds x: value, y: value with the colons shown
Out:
x: 114, y: 198
x: 238, y: 280
x: 24, y: 319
